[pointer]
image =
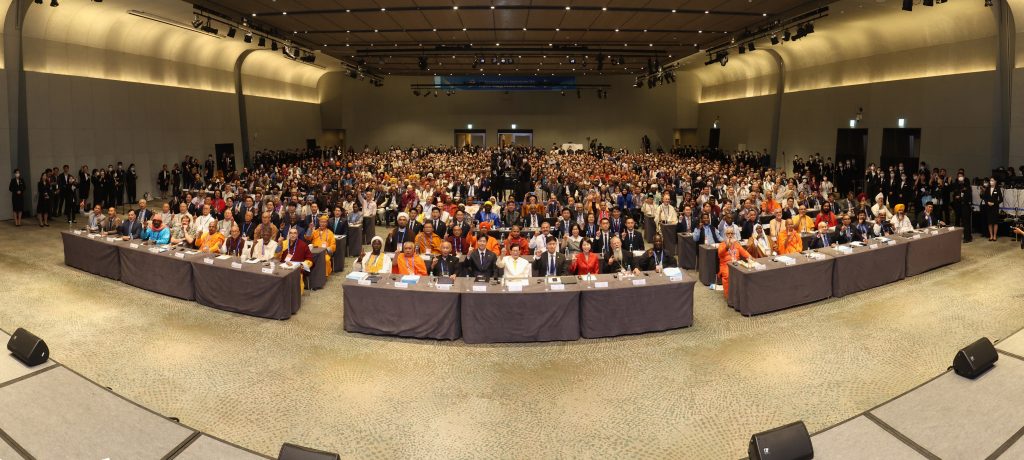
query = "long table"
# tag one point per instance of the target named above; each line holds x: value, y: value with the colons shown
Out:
x: 779, y: 286
x: 226, y: 284
x: 609, y: 306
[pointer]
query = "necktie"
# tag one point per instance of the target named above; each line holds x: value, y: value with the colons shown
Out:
x: 551, y: 265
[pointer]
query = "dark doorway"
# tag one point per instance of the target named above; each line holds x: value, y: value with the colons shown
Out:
x: 225, y: 157
x: 310, y: 143
x: 852, y: 144
x: 901, y: 145
x: 714, y: 138
x: 470, y: 137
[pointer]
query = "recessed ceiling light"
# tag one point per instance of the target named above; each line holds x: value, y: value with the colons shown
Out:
x: 254, y: 15
x: 567, y: 8
x: 616, y: 30
x: 706, y: 11
x: 492, y: 7
x: 455, y: 7
x: 284, y: 13
x: 435, y: 30
x: 383, y: 9
x: 673, y: 11
x: 558, y: 30
x: 524, y: 29
x: 605, y: 8
x: 463, y: 29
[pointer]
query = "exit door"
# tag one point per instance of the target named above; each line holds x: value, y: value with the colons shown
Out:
x: 515, y: 137
x: 470, y: 137
x: 901, y: 146
x: 225, y: 157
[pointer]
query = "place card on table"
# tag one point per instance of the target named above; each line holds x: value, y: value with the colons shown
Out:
x: 237, y: 265
x: 444, y: 287
x: 872, y: 246
x: 601, y: 284
x: 401, y: 285
x: 640, y: 282
x: 180, y: 255
x: 916, y: 237
x: 77, y: 232
x: 270, y: 271
x: 207, y: 261
x: 559, y: 287
x: 934, y: 232
x: 515, y: 288
x: 480, y: 288
x: 133, y: 245
x: 362, y: 282
x: 675, y: 279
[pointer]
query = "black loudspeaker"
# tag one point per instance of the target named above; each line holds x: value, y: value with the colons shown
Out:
x: 28, y: 348
x: 293, y: 452
x: 974, y: 359
x: 787, y: 442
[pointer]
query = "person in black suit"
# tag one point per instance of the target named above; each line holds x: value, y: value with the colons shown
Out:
x: 928, y: 218
x: 822, y: 238
x: 17, y: 189
x: 632, y: 239
x: 565, y: 223
x: 550, y: 262
x: 445, y: 265
x: 991, y: 197
x: 400, y: 234
x: 687, y: 221
x: 603, y: 240
x: 440, y: 229
x: 131, y: 228
x: 131, y: 179
x: 619, y: 260
x: 656, y: 258
x: 60, y: 195
x: 862, y: 229
x: 480, y: 261
x: 962, y: 197
x: 844, y: 231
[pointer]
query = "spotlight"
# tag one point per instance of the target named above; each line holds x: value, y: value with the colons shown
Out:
x: 310, y: 58
x: 54, y: 3
x: 248, y: 37
x: 908, y: 5
x: 263, y: 41
x: 742, y: 49
x: 196, y: 20
x: 928, y: 2
x: 651, y: 82
x: 39, y: 2
x: 231, y: 32
x: 775, y: 39
x: 208, y: 28
x: 724, y: 60
x: 435, y: 93
x: 273, y: 45
x: 638, y: 83
x: 750, y: 46
x: 563, y: 92
x: 786, y: 36
x: 988, y: 2
x: 579, y: 95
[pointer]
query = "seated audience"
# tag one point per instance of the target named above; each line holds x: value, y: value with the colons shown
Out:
x: 375, y: 261
x: 729, y: 251
x: 513, y: 264
x: 550, y: 262
x: 586, y: 262
x: 408, y: 262
x: 445, y: 264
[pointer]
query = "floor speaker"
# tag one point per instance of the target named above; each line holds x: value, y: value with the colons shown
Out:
x: 293, y: 452
x: 787, y: 442
x: 974, y: 359
x: 28, y: 348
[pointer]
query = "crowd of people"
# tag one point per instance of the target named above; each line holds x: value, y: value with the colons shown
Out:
x: 586, y: 209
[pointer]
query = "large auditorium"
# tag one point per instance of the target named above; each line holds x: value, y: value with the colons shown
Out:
x: 512, y: 229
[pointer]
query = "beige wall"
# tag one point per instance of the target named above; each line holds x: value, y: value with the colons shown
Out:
x: 392, y: 115
x: 280, y: 124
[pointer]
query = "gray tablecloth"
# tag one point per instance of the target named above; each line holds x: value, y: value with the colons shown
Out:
x: 623, y: 308
x: 649, y: 229
x: 533, y: 315
x: 95, y: 256
x: 355, y: 239
x: 163, y: 273
x: 867, y: 268
x: 247, y: 290
x: 369, y: 228
x: 318, y: 273
x: 933, y: 251
x: 417, y: 311
x: 340, y: 253
x: 779, y: 286
x: 707, y: 264
x: 687, y: 251
x: 668, y: 236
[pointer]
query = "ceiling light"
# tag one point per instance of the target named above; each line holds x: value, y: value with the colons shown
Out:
x: 248, y: 37
x: 908, y: 5
x: 567, y: 8
x: 196, y: 20
x: 231, y: 32
x: 455, y: 7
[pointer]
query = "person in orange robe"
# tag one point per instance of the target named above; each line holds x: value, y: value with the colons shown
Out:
x: 789, y: 241
x: 323, y: 237
x: 586, y: 262
x: 211, y: 240
x: 729, y: 251
x: 408, y: 263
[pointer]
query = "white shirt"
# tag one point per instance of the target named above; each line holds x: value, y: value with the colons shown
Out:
x: 515, y: 268
x: 264, y: 252
x: 901, y: 225
x: 204, y: 221
x: 539, y: 242
x: 385, y: 262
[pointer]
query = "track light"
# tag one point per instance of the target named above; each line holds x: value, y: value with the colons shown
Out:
x: 786, y: 36
x: 742, y: 49
x: 273, y: 45
x: 750, y: 46
x: 196, y: 20
x: 263, y: 41
x: 908, y: 5
x: 54, y: 3
x: 775, y: 39
x: 248, y: 37
x: 231, y: 32
x: 416, y: 92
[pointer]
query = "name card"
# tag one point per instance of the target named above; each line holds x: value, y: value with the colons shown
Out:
x: 639, y: 282
x: 934, y: 232
x: 950, y: 229
x: 77, y: 232
x: 92, y: 235
x: 559, y: 287
x: 361, y: 282
x: 515, y: 288
x: 601, y: 284
x: 134, y: 245
x: 892, y: 242
x: 236, y: 265
x: 270, y: 271
x: 444, y: 287
x: 675, y: 279
x: 916, y: 237
x: 872, y: 246
x: 180, y: 255
x: 401, y: 285
x: 479, y: 288
x: 208, y: 261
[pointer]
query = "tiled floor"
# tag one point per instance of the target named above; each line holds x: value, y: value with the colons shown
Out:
x: 693, y: 393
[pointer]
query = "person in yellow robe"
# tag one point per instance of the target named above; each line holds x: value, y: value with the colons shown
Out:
x: 323, y: 237
x: 802, y: 221
x: 211, y: 240
x: 427, y: 242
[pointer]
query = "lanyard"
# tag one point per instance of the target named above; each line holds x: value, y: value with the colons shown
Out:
x: 291, y: 248
x: 658, y: 260
x: 410, y: 265
x: 238, y: 245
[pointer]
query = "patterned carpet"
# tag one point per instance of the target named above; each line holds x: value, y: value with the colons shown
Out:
x: 693, y: 393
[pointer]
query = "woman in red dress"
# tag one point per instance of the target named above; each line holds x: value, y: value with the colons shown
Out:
x: 586, y: 262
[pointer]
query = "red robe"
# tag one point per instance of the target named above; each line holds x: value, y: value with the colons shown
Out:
x: 300, y: 254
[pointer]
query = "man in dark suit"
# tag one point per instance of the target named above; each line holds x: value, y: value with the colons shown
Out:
x: 862, y: 229
x: 656, y: 258
x: 550, y: 262
x: 618, y: 260
x: 131, y: 228
x: 445, y: 265
x: 822, y: 238
x: 632, y: 239
x: 616, y: 222
x: 480, y: 261
x: 603, y: 240
x: 928, y: 218
x: 439, y: 226
x: 687, y: 222
x: 565, y: 223
x: 844, y: 231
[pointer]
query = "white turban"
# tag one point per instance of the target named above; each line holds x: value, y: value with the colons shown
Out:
x: 403, y: 214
